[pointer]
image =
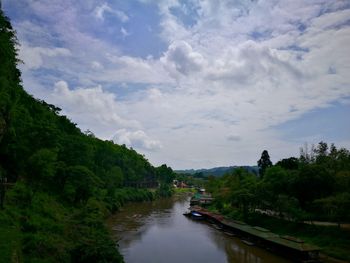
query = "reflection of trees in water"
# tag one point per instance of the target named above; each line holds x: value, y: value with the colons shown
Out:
x: 136, y: 219
x: 237, y: 252
x: 161, y: 223
x: 233, y: 249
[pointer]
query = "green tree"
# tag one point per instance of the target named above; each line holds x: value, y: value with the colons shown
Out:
x: 114, y: 177
x: 80, y: 184
x: 3, y: 180
x: 165, y: 174
x: 9, y: 74
x: 276, y: 181
x: 239, y: 190
x: 313, y: 182
x: 41, y: 168
x: 264, y: 162
x: 291, y: 163
x: 335, y: 207
x: 342, y: 181
x: 165, y: 177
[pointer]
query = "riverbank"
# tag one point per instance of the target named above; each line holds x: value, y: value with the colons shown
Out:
x: 333, y: 241
x: 45, y: 229
x: 281, y: 244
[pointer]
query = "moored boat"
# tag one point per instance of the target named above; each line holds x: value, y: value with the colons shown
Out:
x: 194, y: 215
x: 201, y: 198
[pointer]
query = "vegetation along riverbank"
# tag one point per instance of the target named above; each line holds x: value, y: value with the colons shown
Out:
x: 313, y: 187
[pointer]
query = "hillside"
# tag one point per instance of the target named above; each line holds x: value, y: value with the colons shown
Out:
x: 58, y: 184
x: 218, y: 171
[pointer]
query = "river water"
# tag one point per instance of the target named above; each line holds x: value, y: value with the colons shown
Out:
x: 158, y: 232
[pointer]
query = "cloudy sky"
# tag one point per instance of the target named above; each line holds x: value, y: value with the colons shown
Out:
x: 196, y: 83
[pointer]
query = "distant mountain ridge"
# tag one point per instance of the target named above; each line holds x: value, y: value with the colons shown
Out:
x: 219, y: 171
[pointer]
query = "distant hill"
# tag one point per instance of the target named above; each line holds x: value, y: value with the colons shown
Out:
x: 218, y: 171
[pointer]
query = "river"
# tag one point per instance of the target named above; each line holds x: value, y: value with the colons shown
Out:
x: 157, y: 232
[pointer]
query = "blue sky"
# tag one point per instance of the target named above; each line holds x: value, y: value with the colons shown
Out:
x: 193, y: 84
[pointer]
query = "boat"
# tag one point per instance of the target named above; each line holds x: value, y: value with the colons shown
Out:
x: 194, y: 215
x: 201, y: 198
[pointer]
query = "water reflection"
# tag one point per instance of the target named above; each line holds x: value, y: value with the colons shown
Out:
x: 157, y: 232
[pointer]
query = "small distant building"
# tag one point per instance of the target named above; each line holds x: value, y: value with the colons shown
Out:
x: 180, y: 184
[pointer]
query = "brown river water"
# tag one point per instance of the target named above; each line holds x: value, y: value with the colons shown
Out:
x: 158, y: 232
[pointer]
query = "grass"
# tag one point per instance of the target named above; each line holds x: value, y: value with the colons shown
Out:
x: 184, y: 190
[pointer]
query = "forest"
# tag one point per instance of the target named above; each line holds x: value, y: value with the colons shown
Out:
x: 311, y: 188
x: 57, y: 183
x: 315, y: 186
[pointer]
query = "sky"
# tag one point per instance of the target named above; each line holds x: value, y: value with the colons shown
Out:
x: 196, y: 83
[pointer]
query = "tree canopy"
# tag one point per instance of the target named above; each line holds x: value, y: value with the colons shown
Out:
x: 264, y: 162
x: 313, y: 186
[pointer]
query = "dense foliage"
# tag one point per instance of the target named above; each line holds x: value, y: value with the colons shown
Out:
x: 264, y: 162
x: 60, y: 183
x: 289, y: 197
x: 314, y: 186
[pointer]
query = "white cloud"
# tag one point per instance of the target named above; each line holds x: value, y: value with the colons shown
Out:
x: 132, y: 70
x: 102, y: 9
x: 223, y: 83
x: 180, y: 58
x: 249, y: 63
x: 137, y: 139
x: 96, y: 65
x: 97, y: 110
x: 124, y: 32
x: 331, y: 20
x: 155, y: 95
x: 92, y: 108
x: 233, y: 137
x: 34, y: 57
x: 235, y: 84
